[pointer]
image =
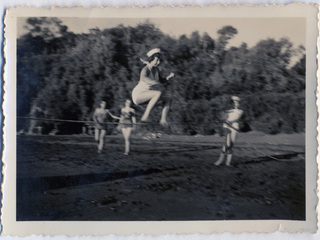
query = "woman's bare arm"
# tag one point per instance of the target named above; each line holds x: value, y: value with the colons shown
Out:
x: 113, y: 116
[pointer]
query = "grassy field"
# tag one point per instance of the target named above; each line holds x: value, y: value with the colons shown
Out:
x: 166, y: 178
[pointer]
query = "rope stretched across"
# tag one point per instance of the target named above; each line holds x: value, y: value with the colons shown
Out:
x: 83, y: 121
x: 274, y: 158
x: 141, y: 123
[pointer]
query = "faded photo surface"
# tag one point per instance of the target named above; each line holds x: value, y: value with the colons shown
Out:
x: 147, y: 118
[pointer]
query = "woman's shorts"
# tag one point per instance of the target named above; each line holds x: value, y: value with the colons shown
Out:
x: 226, y: 131
x: 126, y: 124
x: 100, y: 126
x: 138, y: 91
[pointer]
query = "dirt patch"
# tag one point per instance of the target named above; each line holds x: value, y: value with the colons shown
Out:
x: 166, y: 178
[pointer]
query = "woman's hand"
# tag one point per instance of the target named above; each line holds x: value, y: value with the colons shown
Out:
x: 171, y: 75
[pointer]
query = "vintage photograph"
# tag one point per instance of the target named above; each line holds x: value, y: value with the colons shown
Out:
x: 161, y: 118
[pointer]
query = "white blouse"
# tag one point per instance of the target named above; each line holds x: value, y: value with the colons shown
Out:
x: 233, y: 116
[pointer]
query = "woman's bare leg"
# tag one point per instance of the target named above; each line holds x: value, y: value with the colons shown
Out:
x: 164, y: 114
x: 151, y: 96
x: 229, y: 158
x: 225, y: 149
x: 151, y: 104
x: 126, y: 134
x: 220, y: 160
x: 96, y: 134
x: 232, y: 139
x: 101, y: 140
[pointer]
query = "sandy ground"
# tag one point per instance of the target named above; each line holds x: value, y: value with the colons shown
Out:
x: 166, y: 178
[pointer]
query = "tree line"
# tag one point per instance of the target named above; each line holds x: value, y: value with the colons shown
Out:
x: 65, y: 75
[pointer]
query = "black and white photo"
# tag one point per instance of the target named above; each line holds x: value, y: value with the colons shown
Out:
x: 152, y: 116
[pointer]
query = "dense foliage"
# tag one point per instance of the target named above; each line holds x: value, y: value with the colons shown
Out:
x: 65, y: 75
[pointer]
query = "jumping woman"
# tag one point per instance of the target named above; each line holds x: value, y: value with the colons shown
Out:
x: 99, y: 118
x: 127, y: 123
x: 151, y: 88
x: 231, y: 130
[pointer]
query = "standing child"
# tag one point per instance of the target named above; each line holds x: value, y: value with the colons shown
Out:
x: 99, y: 118
x: 150, y: 88
x: 127, y: 124
x: 230, y: 130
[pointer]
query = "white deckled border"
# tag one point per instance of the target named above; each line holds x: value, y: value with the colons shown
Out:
x: 11, y: 227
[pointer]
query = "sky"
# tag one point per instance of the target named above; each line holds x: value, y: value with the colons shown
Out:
x: 250, y: 30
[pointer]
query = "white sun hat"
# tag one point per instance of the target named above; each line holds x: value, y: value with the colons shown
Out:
x: 235, y: 99
x: 153, y: 51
